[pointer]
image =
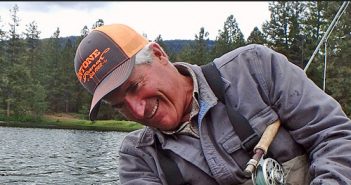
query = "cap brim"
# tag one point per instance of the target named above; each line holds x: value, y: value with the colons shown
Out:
x: 112, y: 81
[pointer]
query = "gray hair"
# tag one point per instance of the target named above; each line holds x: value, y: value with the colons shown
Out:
x: 144, y: 55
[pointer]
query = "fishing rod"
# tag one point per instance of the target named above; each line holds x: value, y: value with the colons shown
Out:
x: 267, y: 171
x: 327, y: 33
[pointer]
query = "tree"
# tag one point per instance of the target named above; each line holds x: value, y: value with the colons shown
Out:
x: 2, y: 32
x: 276, y: 29
x: 315, y: 25
x: 32, y: 45
x: 12, y: 60
x: 338, y: 55
x: 98, y: 23
x: 67, y: 74
x: 54, y: 80
x: 35, y: 93
x: 201, y: 50
x: 296, y: 38
x: 198, y: 51
x: 229, y: 38
x: 284, y: 30
x: 84, y: 32
x: 256, y: 37
x: 2, y: 61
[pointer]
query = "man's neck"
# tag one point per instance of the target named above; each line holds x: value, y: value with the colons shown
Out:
x: 189, y: 90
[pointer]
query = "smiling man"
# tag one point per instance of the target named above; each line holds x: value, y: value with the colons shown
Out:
x: 185, y: 120
x: 152, y: 92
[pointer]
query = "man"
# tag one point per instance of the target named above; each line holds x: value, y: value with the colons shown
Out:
x: 182, y: 114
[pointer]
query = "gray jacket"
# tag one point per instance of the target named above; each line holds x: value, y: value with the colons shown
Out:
x: 263, y: 86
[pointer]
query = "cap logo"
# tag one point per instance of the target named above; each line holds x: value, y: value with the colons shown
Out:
x: 85, y: 73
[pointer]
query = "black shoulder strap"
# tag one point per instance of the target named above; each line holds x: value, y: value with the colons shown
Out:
x: 241, y: 125
x: 169, y: 167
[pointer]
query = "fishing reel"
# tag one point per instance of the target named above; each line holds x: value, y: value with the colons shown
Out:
x: 265, y: 171
x: 268, y: 172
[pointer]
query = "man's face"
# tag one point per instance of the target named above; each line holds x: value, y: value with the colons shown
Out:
x: 152, y: 95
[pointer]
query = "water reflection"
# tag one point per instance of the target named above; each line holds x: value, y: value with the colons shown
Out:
x: 53, y: 156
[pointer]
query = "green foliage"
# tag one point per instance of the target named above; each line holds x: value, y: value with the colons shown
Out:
x: 229, y: 38
x: 256, y: 37
x: 38, y: 102
x: 19, y: 118
x: 284, y: 30
x: 39, y: 76
x: 58, y: 122
x: 338, y: 55
x: 198, y: 51
x: 84, y: 32
x: 98, y: 23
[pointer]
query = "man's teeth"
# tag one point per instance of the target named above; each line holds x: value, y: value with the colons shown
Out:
x: 154, y: 109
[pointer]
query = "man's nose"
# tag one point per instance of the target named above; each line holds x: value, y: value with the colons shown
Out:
x: 135, y: 105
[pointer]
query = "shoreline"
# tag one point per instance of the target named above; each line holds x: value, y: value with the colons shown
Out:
x: 63, y: 122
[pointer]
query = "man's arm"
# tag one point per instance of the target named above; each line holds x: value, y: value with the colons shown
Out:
x: 134, y: 171
x: 136, y: 167
x: 313, y: 118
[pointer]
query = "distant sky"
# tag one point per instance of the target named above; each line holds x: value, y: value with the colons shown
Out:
x: 173, y: 19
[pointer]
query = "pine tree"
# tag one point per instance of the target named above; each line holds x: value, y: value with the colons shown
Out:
x: 296, y: 38
x: 98, y: 23
x: 315, y: 25
x: 338, y: 55
x: 53, y: 82
x: 84, y: 32
x: 68, y: 76
x: 12, y: 67
x: 276, y: 29
x: 284, y: 30
x: 36, y: 94
x: 198, y: 51
x: 256, y: 37
x: 2, y: 63
x: 201, y: 53
x: 32, y: 46
x: 229, y: 38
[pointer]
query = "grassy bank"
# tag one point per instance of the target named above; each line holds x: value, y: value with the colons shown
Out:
x: 69, y: 121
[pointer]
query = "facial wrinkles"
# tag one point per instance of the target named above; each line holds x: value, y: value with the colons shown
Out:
x: 137, y: 103
x: 173, y: 98
x: 152, y: 115
x: 151, y: 107
x: 154, y: 93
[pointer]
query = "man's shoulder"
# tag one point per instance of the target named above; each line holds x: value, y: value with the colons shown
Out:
x: 138, y: 138
x: 243, y: 53
x: 242, y: 49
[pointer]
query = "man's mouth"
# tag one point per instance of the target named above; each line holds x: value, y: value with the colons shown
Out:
x: 154, y: 110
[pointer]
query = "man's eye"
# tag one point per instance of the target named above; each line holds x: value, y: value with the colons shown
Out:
x: 134, y: 87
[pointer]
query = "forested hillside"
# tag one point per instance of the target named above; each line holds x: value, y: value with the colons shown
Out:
x: 38, y: 76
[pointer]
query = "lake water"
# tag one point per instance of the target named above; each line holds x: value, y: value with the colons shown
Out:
x: 55, y: 156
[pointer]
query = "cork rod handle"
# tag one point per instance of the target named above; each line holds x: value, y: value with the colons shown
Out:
x: 268, y: 136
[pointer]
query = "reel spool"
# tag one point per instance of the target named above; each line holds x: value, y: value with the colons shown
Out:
x: 268, y: 172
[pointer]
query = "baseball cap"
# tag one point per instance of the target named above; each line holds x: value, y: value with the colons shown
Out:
x: 105, y: 59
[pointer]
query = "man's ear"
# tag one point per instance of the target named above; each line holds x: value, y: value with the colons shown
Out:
x: 158, y: 51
